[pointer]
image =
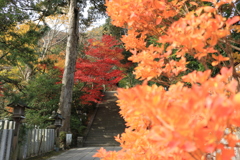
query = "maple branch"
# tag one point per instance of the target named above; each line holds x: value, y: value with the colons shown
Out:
x: 162, y: 82
x: 236, y: 9
x: 224, y: 63
x: 203, y: 63
x: 192, y: 155
x: 233, y: 41
x: 221, y: 46
x: 200, y: 152
x: 234, y: 47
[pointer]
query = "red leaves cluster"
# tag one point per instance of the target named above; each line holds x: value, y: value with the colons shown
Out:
x: 99, y: 68
x: 107, y: 47
x: 96, y: 74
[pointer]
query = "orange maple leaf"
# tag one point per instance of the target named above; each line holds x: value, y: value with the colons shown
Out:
x: 218, y: 59
x: 233, y: 20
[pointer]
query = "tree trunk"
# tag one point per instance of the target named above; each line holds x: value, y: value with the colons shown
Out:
x: 70, y: 62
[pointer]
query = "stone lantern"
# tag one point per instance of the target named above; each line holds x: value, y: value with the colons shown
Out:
x: 18, y: 115
x: 18, y: 109
x: 58, y: 119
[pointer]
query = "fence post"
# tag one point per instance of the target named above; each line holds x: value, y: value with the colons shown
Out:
x: 52, y: 139
x: 9, y: 139
x: 48, y: 140
x: 15, y: 146
x: 40, y: 142
x: 45, y: 141
x: 33, y: 141
x: 29, y: 143
x: 36, y: 141
x: 3, y: 139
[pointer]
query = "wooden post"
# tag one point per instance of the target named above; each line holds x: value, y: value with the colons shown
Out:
x: 15, y: 140
x: 40, y: 144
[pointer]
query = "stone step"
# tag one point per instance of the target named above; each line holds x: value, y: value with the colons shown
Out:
x: 107, y: 123
x: 114, y: 121
x: 101, y: 126
x: 99, y: 136
x: 102, y: 136
x: 106, y: 132
x: 109, y: 120
x: 86, y: 144
x: 98, y: 140
x: 99, y: 131
x: 101, y: 142
x: 108, y: 127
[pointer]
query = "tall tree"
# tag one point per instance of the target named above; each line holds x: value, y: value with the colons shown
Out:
x: 75, y: 10
x: 70, y: 62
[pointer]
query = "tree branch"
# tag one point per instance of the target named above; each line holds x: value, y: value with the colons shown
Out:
x: 3, y: 55
x: 234, y: 47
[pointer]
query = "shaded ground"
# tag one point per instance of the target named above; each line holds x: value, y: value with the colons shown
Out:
x: 46, y: 155
x: 85, y: 153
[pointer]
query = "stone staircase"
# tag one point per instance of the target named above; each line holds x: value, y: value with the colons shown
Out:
x: 106, y: 123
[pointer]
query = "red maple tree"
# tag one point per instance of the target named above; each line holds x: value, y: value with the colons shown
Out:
x: 99, y: 67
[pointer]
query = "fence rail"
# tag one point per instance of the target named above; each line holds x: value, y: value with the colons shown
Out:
x: 32, y: 142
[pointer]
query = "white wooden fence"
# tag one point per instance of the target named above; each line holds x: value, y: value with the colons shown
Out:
x: 6, y: 135
x: 34, y: 142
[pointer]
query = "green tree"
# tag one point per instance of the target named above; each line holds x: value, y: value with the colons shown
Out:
x: 42, y: 95
x: 110, y: 29
x: 19, y: 37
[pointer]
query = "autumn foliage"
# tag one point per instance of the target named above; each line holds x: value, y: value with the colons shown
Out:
x: 198, y: 112
x: 107, y: 47
x: 99, y: 67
